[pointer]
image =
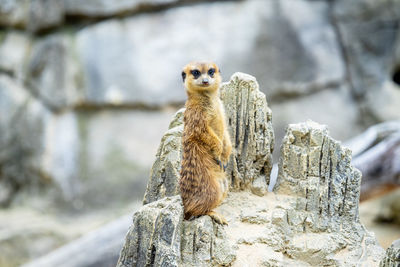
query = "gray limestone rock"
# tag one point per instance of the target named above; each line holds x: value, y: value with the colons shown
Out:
x: 14, y: 13
x: 316, y: 172
x: 155, y: 234
x: 14, y: 48
x: 250, y: 128
x: 301, y: 51
x: 104, y: 8
x: 371, y: 58
x: 22, y: 125
x: 311, y: 218
x: 34, y: 15
x: 45, y: 14
x: 164, y: 174
x: 392, y: 257
x: 316, y: 169
x: 53, y: 72
x: 160, y: 237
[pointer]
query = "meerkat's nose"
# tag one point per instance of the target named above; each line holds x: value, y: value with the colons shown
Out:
x: 205, y: 81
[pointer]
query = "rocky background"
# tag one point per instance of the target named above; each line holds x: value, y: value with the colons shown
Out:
x: 87, y: 89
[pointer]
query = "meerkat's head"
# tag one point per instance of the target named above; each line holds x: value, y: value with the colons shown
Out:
x: 201, y: 77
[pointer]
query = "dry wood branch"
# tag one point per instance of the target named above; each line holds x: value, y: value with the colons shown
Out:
x: 376, y: 153
x: 99, y: 248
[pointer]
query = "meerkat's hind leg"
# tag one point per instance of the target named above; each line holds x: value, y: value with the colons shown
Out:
x: 218, y: 218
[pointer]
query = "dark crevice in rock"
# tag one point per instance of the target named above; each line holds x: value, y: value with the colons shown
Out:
x: 396, y: 76
x: 9, y: 73
x: 87, y: 106
x: 80, y: 19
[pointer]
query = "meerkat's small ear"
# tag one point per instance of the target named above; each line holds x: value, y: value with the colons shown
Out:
x: 183, y: 76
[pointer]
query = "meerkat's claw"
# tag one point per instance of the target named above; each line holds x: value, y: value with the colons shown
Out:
x: 220, y: 164
x: 218, y: 218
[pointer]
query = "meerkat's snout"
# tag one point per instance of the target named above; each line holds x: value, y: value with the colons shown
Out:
x: 205, y: 81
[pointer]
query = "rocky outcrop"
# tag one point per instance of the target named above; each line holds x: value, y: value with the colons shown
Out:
x: 22, y: 139
x: 250, y: 129
x: 97, y: 76
x: 173, y: 241
x: 99, y: 55
x: 392, y: 257
x: 372, y: 60
x: 311, y: 218
x: 316, y: 172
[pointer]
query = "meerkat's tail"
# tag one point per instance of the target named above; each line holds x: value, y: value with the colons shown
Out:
x: 199, y: 189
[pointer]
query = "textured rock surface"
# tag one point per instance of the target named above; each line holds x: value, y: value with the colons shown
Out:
x: 111, y: 49
x: 73, y: 55
x: 311, y: 218
x: 392, y: 257
x: 371, y: 58
x: 327, y: 102
x: 250, y: 129
x: 164, y: 174
x: 76, y: 69
x: 160, y: 237
x: 53, y: 73
x: 104, y: 8
x: 315, y: 170
x: 22, y: 123
x: 33, y: 15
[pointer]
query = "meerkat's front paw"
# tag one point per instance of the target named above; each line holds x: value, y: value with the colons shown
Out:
x: 218, y: 218
x: 219, y: 163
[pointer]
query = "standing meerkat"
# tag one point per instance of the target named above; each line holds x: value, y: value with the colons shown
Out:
x: 206, y: 143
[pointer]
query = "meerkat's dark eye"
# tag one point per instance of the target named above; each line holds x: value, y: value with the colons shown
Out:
x: 211, y: 72
x: 195, y: 73
x: 183, y: 76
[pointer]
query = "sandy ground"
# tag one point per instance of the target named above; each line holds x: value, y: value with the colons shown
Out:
x: 386, y: 233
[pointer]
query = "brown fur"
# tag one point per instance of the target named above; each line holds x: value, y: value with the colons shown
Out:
x: 206, y: 141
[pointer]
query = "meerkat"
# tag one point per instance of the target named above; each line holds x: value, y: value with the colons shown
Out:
x: 206, y: 143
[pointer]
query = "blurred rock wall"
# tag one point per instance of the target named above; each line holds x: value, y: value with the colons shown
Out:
x: 87, y: 88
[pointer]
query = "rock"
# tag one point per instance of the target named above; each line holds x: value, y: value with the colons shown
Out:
x: 22, y: 123
x: 250, y: 128
x: 45, y: 14
x: 60, y: 155
x: 316, y: 171
x: 13, y: 52
x: 119, y: 68
x: 14, y: 13
x: 164, y: 174
x: 294, y: 54
x: 110, y: 145
x: 335, y: 106
x: 53, y: 72
x: 371, y: 58
x: 104, y: 8
x: 392, y: 257
x: 204, y: 241
x: 173, y: 241
x: 311, y: 219
x: 161, y: 248
x: 36, y: 15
